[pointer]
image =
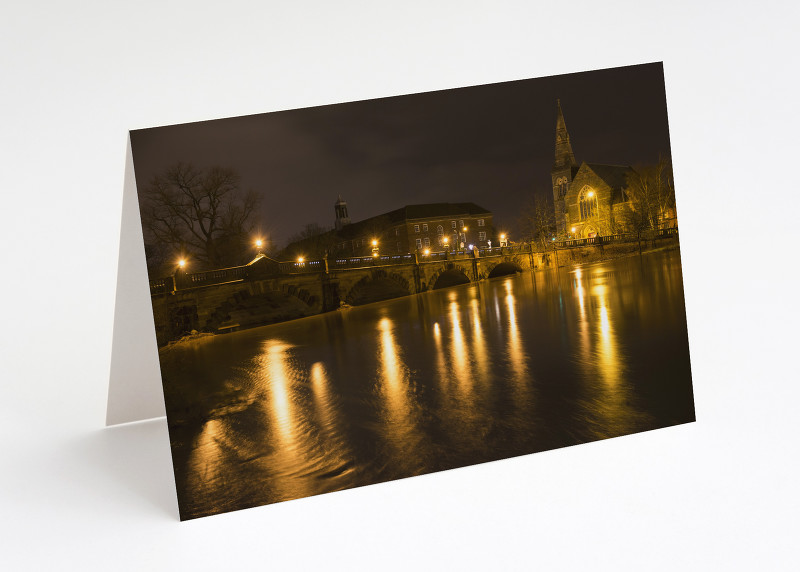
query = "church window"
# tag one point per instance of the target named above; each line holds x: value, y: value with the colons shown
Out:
x: 561, y: 187
x: 588, y: 202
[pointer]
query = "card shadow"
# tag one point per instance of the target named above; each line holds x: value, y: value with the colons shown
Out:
x: 137, y: 457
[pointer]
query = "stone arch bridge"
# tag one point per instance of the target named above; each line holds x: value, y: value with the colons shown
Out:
x: 266, y: 291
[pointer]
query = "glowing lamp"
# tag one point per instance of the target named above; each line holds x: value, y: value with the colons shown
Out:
x: 300, y: 259
x: 427, y: 251
x: 374, y: 242
x: 182, y: 262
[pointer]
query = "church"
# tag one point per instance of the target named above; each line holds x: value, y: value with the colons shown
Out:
x: 589, y: 198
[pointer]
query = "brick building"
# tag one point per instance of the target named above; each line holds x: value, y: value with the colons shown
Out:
x: 589, y: 198
x: 412, y: 228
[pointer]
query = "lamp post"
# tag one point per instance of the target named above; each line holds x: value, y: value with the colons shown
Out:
x: 177, y: 276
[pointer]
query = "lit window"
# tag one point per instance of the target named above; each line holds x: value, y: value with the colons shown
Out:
x: 482, y: 235
x: 588, y: 202
x: 416, y: 228
x: 453, y: 223
x: 424, y: 228
x: 480, y: 222
x: 426, y: 242
x: 419, y: 243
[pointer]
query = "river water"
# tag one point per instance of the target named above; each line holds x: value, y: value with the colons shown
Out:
x: 433, y: 381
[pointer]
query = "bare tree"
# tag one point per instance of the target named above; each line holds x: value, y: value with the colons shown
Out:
x: 313, y: 241
x: 650, y: 193
x: 538, y: 221
x: 200, y: 213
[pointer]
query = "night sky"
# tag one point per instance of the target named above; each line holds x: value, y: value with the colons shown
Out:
x: 492, y: 145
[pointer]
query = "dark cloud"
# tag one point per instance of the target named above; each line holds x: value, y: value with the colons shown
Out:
x: 490, y: 144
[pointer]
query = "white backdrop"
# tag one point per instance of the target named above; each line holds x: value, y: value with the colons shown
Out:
x: 718, y: 494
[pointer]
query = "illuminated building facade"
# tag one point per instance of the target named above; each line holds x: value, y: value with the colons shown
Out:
x: 436, y: 227
x: 589, y: 198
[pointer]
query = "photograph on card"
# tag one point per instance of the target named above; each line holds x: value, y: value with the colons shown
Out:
x: 360, y: 292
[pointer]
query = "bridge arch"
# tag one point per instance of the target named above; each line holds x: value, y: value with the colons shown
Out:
x: 378, y: 286
x: 503, y: 268
x: 450, y: 275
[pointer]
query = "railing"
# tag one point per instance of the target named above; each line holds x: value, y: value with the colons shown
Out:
x: 182, y: 281
x: 214, y: 276
x: 620, y: 237
x: 305, y: 267
x: 342, y: 263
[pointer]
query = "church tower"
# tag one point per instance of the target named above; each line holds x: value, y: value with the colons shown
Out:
x: 564, y: 168
x: 342, y: 219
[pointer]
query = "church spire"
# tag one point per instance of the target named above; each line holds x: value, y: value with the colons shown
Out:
x: 564, y: 155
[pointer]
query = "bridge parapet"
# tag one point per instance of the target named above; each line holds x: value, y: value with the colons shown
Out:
x: 263, y: 267
x: 619, y: 237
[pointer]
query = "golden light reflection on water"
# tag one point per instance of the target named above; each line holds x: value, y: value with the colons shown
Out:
x: 205, y: 459
x: 481, y: 358
x: 458, y: 352
x: 516, y: 351
x: 322, y: 398
x: 277, y: 373
x: 602, y: 361
x: 401, y: 423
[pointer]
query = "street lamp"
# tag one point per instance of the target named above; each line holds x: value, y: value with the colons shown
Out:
x: 300, y: 260
x: 181, y: 263
x: 426, y: 252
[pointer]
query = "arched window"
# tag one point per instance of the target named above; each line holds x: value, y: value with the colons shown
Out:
x: 561, y: 187
x: 440, y: 234
x: 588, y: 202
